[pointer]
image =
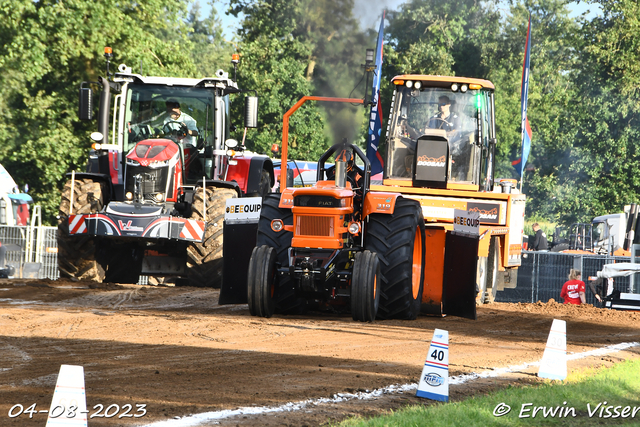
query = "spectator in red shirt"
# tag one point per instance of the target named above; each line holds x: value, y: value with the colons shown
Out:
x: 573, y: 291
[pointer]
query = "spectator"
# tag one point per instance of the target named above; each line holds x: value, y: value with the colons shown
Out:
x: 602, y: 289
x: 539, y: 240
x: 573, y: 291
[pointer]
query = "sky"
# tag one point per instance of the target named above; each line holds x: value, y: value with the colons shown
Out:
x: 369, y: 16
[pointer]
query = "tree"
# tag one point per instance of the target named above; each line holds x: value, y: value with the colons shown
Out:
x: 46, y: 49
x: 600, y: 173
x: 295, y: 48
x: 211, y: 51
x: 551, y: 96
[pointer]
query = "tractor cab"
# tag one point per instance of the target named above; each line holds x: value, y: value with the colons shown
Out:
x: 439, y: 132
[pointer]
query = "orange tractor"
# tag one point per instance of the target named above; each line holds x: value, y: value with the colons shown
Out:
x: 389, y: 248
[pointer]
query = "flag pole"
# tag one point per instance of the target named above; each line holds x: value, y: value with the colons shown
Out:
x: 525, y: 129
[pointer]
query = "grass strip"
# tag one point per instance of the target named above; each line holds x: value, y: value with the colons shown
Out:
x: 591, y: 397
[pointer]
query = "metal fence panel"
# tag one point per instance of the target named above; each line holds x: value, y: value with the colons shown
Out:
x: 44, y: 249
x: 542, y: 275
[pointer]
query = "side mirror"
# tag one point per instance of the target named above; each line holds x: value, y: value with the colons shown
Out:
x: 251, y: 112
x: 86, y: 104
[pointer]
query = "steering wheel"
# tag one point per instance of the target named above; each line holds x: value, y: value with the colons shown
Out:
x: 442, y: 122
x: 179, y: 133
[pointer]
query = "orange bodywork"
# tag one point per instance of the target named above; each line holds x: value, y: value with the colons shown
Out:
x: 379, y: 203
x: 320, y: 227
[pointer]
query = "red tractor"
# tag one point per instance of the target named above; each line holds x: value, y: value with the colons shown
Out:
x: 152, y: 199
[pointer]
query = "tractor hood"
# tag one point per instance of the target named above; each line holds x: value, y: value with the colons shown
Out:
x: 152, y: 152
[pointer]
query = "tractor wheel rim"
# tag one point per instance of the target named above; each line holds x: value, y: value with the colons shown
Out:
x: 375, y: 286
x: 417, y: 264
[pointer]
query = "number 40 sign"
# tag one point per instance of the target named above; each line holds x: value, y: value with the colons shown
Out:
x: 434, y: 381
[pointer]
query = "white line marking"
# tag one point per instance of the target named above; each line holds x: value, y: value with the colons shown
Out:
x: 198, y: 419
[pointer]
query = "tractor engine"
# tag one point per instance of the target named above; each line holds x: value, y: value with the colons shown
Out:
x: 153, y: 172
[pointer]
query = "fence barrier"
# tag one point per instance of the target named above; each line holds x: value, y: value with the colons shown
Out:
x: 542, y: 274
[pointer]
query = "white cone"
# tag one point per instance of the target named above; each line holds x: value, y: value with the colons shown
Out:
x: 554, y: 360
x: 434, y: 381
x: 69, y: 403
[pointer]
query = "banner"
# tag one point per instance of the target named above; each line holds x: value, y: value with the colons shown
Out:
x: 524, y: 94
x: 375, y: 120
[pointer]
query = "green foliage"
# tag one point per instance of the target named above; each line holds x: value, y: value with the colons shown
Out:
x: 48, y: 48
x: 211, y: 50
x: 295, y: 48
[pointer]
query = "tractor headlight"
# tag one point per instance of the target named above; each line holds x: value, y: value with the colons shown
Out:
x: 277, y: 225
x: 418, y: 85
x: 454, y: 87
x: 463, y: 88
x: 129, y: 195
x: 409, y: 84
x: 354, y: 228
x: 159, y: 197
x: 231, y: 153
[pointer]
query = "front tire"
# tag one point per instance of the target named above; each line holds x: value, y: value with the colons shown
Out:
x: 365, y: 292
x: 261, y: 281
x: 204, y: 260
x: 78, y: 255
x: 286, y: 301
x: 399, y: 241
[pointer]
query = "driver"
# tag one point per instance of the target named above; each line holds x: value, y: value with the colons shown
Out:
x: 444, y: 118
x: 174, y: 114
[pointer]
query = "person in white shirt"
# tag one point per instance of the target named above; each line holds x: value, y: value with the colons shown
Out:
x: 176, y: 118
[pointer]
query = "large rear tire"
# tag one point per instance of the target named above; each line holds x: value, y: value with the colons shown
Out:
x: 365, y: 295
x: 204, y: 260
x: 261, y: 281
x: 286, y: 301
x: 399, y: 241
x: 78, y: 255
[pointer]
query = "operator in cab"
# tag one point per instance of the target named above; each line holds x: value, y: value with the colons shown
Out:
x: 444, y: 119
x: 176, y: 119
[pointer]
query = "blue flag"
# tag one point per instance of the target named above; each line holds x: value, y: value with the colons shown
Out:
x: 524, y: 94
x: 375, y: 119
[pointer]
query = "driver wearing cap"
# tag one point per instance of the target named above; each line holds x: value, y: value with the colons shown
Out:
x: 175, y: 118
x: 444, y: 118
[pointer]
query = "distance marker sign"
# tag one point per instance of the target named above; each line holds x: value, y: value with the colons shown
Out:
x: 434, y: 381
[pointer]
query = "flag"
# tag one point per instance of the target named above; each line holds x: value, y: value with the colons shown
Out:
x: 375, y: 118
x: 525, y: 132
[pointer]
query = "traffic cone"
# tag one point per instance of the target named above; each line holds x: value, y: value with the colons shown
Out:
x: 554, y: 360
x: 69, y: 403
x: 434, y: 381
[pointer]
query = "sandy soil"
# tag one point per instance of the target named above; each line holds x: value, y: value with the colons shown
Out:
x: 180, y: 353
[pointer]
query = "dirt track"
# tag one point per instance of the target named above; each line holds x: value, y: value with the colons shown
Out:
x: 177, y: 351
